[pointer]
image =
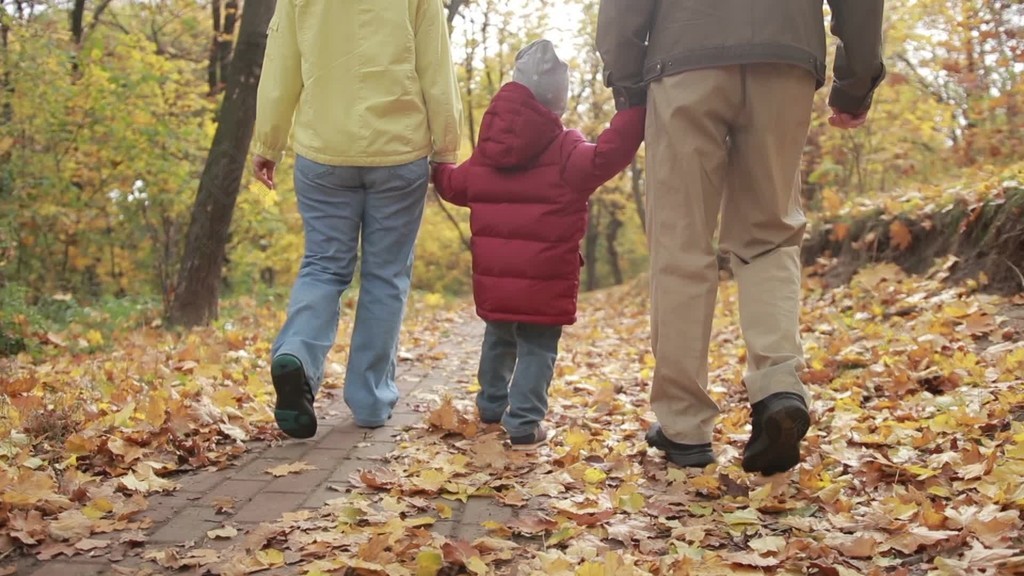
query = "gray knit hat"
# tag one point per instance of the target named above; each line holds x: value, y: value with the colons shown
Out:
x: 539, y: 69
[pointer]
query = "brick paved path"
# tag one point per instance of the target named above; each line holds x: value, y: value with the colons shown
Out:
x: 338, y: 450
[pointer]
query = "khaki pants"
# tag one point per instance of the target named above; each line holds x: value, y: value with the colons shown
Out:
x: 725, y: 140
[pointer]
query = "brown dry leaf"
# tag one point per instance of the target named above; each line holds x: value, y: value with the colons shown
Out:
x: 900, y: 235
x: 227, y: 532
x: 70, y: 525
x: 225, y: 505
x: 910, y: 541
x: 143, y: 479
x: 533, y: 524
x: 853, y: 546
x: 127, y: 451
x: 458, y: 552
x: 377, y: 478
x: 30, y: 488
x: 51, y: 550
x: 750, y: 559
x: 768, y: 544
x: 87, y: 544
x: 291, y: 468
x: 591, y: 519
x: 8, y: 570
x: 980, y: 324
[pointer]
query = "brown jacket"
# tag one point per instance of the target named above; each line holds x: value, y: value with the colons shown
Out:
x: 643, y: 40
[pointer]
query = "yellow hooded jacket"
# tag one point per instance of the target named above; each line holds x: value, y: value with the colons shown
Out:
x: 363, y: 82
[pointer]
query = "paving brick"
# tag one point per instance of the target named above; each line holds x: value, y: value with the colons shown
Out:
x: 446, y: 528
x: 345, y: 469
x: 325, y: 493
x: 325, y: 458
x: 257, y: 469
x: 201, y: 481
x: 479, y: 510
x: 241, y: 490
x: 302, y: 483
x: 343, y: 438
x: 371, y: 450
x: 163, y: 507
x: 290, y: 450
x: 268, y: 506
x: 405, y: 419
x: 189, y: 524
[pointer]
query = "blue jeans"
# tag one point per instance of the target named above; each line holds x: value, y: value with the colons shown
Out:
x: 339, y: 205
x: 517, y: 362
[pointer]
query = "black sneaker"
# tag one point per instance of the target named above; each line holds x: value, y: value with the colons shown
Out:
x: 294, y: 409
x: 685, y: 455
x: 535, y: 439
x: 779, y: 423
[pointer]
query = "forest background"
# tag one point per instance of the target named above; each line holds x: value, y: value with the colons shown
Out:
x: 108, y: 109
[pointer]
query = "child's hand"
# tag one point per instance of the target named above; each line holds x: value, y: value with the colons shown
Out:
x: 434, y: 166
x: 264, y: 168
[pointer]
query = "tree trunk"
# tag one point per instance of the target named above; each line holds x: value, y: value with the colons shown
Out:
x: 590, y: 247
x: 78, y: 21
x: 195, y: 298
x: 611, y: 238
x: 453, y: 9
x: 637, y: 184
x: 6, y: 88
x: 227, y: 39
x: 212, y: 71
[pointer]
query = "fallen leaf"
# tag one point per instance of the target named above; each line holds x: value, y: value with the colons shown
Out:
x: 750, y: 559
x: 87, y: 544
x: 429, y: 562
x: 226, y: 532
x: 291, y: 468
x: 900, y: 235
x: 768, y: 544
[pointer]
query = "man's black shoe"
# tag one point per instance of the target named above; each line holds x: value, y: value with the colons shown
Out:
x: 779, y: 422
x: 294, y: 409
x: 685, y: 455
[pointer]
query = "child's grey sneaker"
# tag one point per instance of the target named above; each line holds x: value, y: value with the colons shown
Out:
x: 532, y: 441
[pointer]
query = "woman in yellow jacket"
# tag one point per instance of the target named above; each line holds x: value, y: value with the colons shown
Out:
x: 368, y: 92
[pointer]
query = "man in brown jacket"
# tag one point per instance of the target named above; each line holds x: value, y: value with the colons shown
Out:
x: 729, y: 86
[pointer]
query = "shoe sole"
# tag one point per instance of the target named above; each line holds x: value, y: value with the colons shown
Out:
x: 528, y: 447
x: 688, y: 461
x: 778, y: 449
x: 293, y: 417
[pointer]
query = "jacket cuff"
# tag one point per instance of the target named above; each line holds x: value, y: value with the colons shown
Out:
x: 850, y: 103
x: 445, y: 157
x: 275, y: 156
x: 629, y: 96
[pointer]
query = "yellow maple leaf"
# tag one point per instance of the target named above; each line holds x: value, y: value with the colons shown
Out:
x: 429, y: 562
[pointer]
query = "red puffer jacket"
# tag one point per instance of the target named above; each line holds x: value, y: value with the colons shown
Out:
x: 527, y: 186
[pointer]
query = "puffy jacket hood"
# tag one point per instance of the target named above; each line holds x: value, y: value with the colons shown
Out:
x: 516, y: 128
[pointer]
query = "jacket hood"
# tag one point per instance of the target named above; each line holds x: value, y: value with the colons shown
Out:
x: 516, y: 128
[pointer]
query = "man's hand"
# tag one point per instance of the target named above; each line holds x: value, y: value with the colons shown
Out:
x: 846, y: 121
x: 264, y: 168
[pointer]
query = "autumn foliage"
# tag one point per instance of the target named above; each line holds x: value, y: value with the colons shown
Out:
x: 913, y: 464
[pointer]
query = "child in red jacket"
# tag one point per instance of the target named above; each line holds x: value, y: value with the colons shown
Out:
x: 527, y: 186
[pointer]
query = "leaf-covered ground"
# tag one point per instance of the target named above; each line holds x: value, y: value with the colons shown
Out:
x: 913, y: 465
